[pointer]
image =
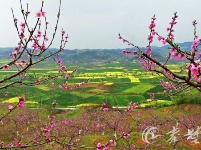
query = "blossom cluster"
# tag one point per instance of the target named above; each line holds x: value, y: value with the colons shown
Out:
x: 167, y: 85
x: 106, y: 146
x: 50, y: 127
x: 132, y: 106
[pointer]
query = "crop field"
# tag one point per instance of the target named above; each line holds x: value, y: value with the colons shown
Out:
x: 114, y: 83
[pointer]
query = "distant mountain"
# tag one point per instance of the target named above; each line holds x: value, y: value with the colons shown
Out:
x: 102, y: 55
x: 95, y: 55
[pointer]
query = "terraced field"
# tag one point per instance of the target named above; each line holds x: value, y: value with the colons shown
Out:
x: 115, y: 83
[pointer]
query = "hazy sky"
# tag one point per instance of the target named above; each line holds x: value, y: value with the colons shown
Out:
x: 96, y: 23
